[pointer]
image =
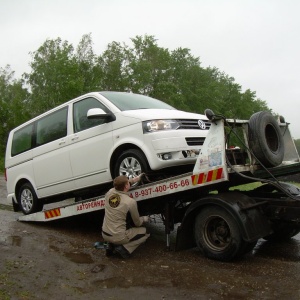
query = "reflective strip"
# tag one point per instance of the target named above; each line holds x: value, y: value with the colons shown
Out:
x: 207, y: 177
x: 52, y: 213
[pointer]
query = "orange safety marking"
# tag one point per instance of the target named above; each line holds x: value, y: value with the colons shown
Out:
x: 52, y: 213
x: 207, y: 177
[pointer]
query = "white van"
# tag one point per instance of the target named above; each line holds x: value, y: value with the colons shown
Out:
x: 84, y: 143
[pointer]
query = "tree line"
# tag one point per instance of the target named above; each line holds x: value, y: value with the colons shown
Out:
x: 60, y: 72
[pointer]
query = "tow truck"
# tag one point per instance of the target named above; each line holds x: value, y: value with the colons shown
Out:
x: 208, y: 206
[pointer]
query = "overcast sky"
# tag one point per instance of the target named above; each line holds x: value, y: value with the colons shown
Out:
x: 255, y: 41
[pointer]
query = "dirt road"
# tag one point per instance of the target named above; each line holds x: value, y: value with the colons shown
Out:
x: 58, y: 261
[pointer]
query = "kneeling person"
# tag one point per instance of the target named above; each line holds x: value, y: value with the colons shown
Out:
x: 115, y: 228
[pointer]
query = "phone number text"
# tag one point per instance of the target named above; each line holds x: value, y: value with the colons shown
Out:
x: 160, y: 188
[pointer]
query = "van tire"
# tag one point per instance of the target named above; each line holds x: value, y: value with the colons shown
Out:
x: 27, y: 199
x: 265, y: 139
x: 131, y: 163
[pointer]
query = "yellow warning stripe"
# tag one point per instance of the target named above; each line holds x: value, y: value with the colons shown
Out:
x: 52, y: 213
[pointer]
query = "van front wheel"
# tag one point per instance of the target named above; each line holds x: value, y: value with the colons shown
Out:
x: 131, y: 163
x: 28, y: 201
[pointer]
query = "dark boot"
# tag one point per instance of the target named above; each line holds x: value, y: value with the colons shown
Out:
x: 110, y: 249
x: 121, y: 250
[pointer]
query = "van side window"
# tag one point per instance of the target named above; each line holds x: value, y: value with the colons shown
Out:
x: 52, y: 127
x: 22, y: 140
x: 80, y: 109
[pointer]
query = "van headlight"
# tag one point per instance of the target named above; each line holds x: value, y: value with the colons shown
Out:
x: 156, y: 125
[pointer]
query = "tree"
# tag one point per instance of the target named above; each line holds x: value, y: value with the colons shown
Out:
x: 114, y: 65
x: 13, y: 104
x: 90, y: 71
x: 150, y: 68
x: 187, y: 78
x: 55, y: 75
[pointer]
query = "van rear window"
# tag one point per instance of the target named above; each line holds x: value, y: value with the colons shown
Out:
x: 22, y: 140
x: 40, y: 132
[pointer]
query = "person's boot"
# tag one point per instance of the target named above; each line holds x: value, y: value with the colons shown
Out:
x: 109, y: 251
x: 121, y: 250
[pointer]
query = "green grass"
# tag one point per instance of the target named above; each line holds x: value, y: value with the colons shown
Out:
x: 25, y: 295
x: 4, y: 295
x: 247, y: 187
x: 253, y: 185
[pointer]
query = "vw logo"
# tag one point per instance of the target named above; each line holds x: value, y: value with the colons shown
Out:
x: 201, y: 124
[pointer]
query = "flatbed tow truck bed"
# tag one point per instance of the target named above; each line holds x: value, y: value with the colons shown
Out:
x: 166, y: 187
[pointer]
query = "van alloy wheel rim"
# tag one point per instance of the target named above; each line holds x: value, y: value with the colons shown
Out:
x: 26, y: 200
x: 130, y: 167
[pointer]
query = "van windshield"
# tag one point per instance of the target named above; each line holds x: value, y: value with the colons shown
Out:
x: 130, y: 101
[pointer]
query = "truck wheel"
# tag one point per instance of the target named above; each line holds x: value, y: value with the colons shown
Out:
x: 217, y: 234
x: 131, y: 163
x: 28, y: 201
x: 282, y: 232
x: 265, y: 139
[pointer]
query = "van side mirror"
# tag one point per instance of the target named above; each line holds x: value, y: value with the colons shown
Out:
x: 98, y: 113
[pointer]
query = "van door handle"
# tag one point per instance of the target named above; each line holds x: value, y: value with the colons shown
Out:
x: 62, y: 142
x: 75, y: 138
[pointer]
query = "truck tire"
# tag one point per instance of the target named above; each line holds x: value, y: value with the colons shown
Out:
x: 131, y: 163
x: 265, y: 139
x: 217, y: 234
x: 28, y: 201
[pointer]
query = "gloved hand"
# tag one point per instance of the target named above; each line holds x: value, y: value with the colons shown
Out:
x: 140, y: 176
x: 136, y: 179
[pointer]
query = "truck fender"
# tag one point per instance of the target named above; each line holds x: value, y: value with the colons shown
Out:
x: 249, y: 216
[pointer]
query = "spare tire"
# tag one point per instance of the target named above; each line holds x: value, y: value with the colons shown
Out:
x: 265, y: 139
